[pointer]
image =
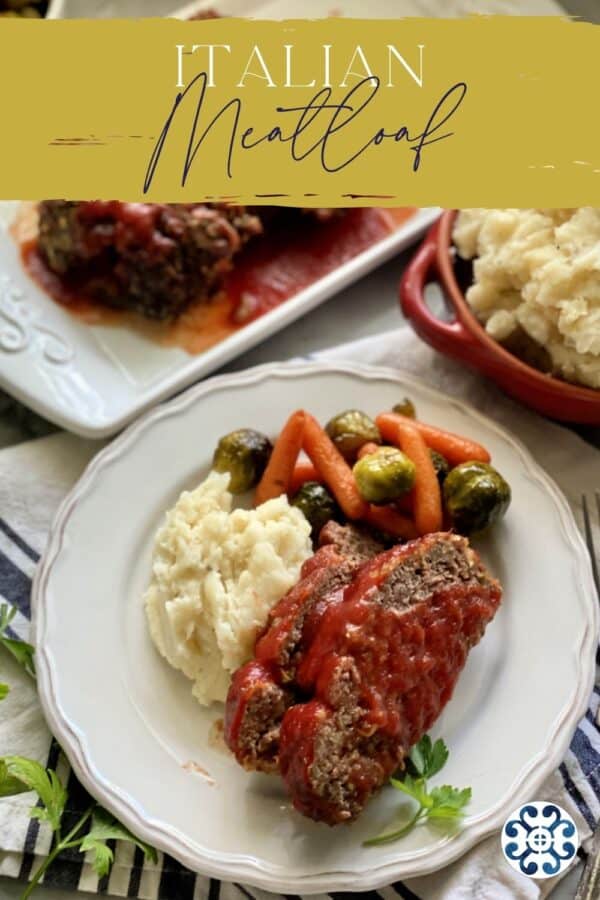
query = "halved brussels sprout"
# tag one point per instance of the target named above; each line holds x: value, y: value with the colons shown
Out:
x: 476, y: 495
x: 317, y: 504
x: 405, y: 408
x: 384, y: 476
x: 350, y: 430
x: 244, y: 454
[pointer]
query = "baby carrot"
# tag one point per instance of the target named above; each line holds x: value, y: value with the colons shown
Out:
x: 333, y: 468
x: 389, y: 520
x: 454, y: 447
x: 277, y: 476
x: 427, y: 496
x: 304, y: 471
x: 366, y: 449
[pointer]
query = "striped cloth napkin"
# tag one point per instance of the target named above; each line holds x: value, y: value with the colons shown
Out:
x: 34, y: 478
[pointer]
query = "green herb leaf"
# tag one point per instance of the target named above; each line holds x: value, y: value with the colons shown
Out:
x: 21, y: 650
x: 426, y: 759
x: 105, y: 827
x: 7, y: 614
x: 9, y: 785
x: 448, y: 802
x: 418, y: 756
x: 438, y: 759
x: 46, y: 784
x: 102, y: 855
x: 4, y: 691
x: 444, y: 804
x: 413, y: 787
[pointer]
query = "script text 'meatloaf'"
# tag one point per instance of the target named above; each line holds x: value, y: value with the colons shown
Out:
x: 323, y: 127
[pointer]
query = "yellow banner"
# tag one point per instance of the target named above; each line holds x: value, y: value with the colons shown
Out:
x: 484, y: 111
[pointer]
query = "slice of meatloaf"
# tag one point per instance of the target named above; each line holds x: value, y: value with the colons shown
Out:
x: 152, y: 258
x: 291, y: 623
x: 262, y: 690
x: 380, y: 669
x: 356, y: 544
x: 256, y: 704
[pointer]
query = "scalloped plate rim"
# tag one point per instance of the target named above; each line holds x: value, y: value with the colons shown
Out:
x: 250, y: 870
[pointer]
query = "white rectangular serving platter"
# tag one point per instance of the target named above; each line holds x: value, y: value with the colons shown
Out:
x: 93, y: 380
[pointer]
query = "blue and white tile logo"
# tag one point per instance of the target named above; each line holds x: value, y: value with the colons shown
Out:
x: 539, y: 839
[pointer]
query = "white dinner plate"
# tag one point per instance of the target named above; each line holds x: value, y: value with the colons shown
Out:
x: 130, y: 726
x: 93, y: 380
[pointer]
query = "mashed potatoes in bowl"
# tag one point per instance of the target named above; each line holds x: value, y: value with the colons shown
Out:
x: 538, y: 271
x: 216, y: 573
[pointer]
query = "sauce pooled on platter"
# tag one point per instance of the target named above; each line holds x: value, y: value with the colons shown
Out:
x: 266, y: 271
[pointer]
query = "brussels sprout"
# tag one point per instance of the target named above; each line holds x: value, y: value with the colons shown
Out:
x: 440, y: 464
x: 384, y: 476
x: 350, y: 430
x: 317, y: 504
x: 476, y: 496
x: 244, y: 454
x: 406, y: 408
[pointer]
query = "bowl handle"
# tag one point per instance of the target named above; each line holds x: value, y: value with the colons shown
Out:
x: 451, y: 338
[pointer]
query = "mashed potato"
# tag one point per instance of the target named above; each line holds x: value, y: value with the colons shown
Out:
x: 215, y: 576
x: 538, y: 269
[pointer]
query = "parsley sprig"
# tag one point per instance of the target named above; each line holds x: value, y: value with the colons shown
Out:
x: 442, y: 805
x: 21, y: 650
x: 19, y: 775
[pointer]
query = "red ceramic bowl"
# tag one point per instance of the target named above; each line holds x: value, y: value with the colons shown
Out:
x: 466, y: 340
